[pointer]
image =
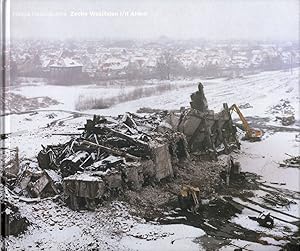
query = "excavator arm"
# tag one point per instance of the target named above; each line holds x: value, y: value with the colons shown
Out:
x: 251, y: 134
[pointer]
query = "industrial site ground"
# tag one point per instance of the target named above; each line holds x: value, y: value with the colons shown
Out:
x: 151, y: 218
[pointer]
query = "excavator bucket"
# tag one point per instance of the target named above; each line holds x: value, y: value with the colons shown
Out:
x: 188, y: 198
x: 254, y: 135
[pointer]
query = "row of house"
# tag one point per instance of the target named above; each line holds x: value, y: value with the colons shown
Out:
x: 115, y: 62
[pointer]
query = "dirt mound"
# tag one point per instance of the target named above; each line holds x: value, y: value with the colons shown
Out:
x: 12, y: 103
x: 12, y: 222
x: 153, y: 200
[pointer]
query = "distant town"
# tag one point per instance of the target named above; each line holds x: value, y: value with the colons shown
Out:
x: 73, y: 62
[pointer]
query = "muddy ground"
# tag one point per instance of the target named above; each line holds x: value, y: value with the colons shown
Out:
x: 214, y: 217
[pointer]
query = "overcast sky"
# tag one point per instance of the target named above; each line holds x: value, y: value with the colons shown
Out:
x: 208, y: 19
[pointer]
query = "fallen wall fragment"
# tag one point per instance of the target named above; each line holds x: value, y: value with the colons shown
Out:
x: 205, y: 130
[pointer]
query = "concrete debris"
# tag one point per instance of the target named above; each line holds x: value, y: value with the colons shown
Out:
x: 283, y: 106
x: 43, y: 186
x: 264, y: 219
x: 232, y: 171
x: 293, y: 161
x: 18, y: 103
x: 12, y: 222
x: 116, y: 154
x: 286, y: 119
x: 84, y: 188
x: 205, y: 130
x: 199, y: 101
x: 39, y: 183
x: 284, y: 112
x: 130, y: 151
x: 277, y: 200
x: 113, y: 154
x: 10, y: 162
x: 245, y: 106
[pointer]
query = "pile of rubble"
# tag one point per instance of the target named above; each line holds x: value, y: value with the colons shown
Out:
x: 205, y: 130
x: 283, y: 106
x: 10, y: 160
x: 284, y: 112
x: 245, y: 106
x: 293, y: 161
x: 277, y: 200
x: 14, y: 103
x: 25, y: 178
x: 12, y: 222
x: 114, y: 154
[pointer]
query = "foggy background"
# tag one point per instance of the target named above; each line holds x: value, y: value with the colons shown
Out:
x: 235, y: 19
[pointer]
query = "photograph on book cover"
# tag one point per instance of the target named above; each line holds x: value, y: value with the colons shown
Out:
x: 150, y: 125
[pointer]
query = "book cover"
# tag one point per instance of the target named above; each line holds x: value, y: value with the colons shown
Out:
x: 150, y: 125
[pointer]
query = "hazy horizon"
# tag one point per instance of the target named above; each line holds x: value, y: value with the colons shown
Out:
x: 211, y: 20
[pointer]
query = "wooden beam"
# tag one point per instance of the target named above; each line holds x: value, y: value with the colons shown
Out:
x: 112, y: 151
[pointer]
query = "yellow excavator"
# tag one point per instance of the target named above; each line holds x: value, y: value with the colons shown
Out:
x: 251, y: 133
x: 188, y: 198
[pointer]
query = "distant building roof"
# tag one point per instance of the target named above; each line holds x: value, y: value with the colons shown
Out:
x: 66, y: 62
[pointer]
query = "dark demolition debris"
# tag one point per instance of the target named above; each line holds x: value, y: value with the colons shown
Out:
x: 12, y: 222
x: 131, y: 151
x: 114, y: 154
x: 264, y: 219
x: 293, y: 161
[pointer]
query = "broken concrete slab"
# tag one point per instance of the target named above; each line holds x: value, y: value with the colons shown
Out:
x: 113, y: 180
x: 83, y: 189
x: 206, y: 130
x: 84, y: 185
x: 43, y: 187
x: 133, y: 176
x: 162, y: 161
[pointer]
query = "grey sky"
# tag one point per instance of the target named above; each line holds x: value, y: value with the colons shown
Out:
x: 219, y: 19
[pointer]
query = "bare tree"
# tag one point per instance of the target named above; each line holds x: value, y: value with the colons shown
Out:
x: 163, y: 65
x: 168, y: 65
x: 133, y: 71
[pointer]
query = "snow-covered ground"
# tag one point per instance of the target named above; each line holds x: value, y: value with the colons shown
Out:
x: 111, y: 228
x: 31, y: 130
x: 69, y: 95
x: 246, y: 245
x: 264, y: 157
x: 175, y: 237
x: 261, y: 91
